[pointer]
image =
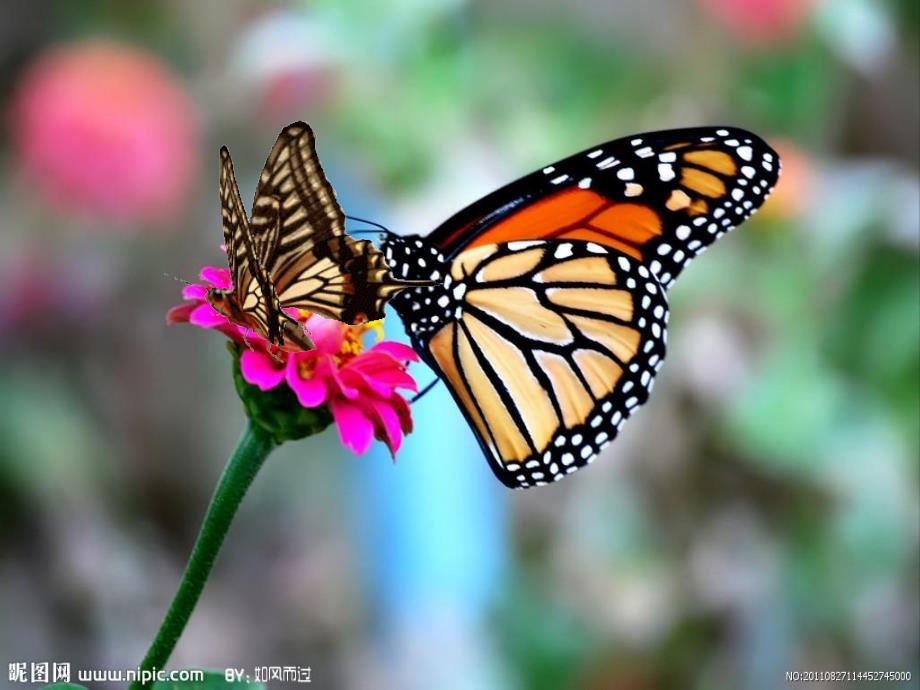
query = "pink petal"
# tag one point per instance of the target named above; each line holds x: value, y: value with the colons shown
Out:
x: 310, y: 392
x: 380, y: 369
x: 389, y: 421
x: 397, y: 351
x: 349, y: 390
x: 327, y: 334
x: 206, y: 316
x: 261, y: 370
x: 195, y: 291
x: 249, y: 337
x: 218, y: 277
x: 231, y: 330
x: 180, y: 313
x: 354, y: 380
x: 394, y: 378
x: 405, y: 413
x: 355, y: 429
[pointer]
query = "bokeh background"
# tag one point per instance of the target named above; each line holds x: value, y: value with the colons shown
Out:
x: 759, y: 515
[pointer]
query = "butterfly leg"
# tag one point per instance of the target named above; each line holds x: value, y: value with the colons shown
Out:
x: 418, y: 396
x: 297, y: 332
x: 306, y: 333
x: 246, y: 339
x: 273, y: 353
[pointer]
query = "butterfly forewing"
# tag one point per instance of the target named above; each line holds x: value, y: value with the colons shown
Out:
x: 254, y: 294
x: 299, y: 235
x: 307, y: 208
x: 547, y: 347
x: 661, y: 197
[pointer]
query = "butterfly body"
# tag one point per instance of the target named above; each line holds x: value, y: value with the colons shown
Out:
x: 548, y: 320
x: 290, y: 335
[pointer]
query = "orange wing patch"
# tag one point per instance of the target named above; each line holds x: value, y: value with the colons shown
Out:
x: 544, y: 218
x: 584, y: 214
x: 718, y: 161
x: 579, y: 214
x: 703, y: 182
x: 633, y: 223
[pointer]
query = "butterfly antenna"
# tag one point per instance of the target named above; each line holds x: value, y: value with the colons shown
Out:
x: 418, y: 396
x: 369, y: 222
x: 181, y: 280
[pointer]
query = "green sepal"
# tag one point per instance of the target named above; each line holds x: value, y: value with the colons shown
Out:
x: 277, y: 412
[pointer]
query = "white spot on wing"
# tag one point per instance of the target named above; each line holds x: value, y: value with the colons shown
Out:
x: 563, y: 251
x: 523, y: 244
x: 633, y: 189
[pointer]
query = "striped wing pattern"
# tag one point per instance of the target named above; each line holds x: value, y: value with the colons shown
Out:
x: 299, y: 235
x: 253, y: 292
x: 547, y: 347
x: 548, y: 324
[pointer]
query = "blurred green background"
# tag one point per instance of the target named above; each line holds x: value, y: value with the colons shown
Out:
x: 759, y: 515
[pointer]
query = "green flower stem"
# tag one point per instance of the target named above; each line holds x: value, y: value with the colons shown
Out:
x: 253, y: 447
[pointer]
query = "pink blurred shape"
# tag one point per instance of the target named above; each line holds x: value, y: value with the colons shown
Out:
x: 105, y: 129
x: 761, y: 21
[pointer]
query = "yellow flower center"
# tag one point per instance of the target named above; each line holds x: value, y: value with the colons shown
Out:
x: 353, y: 339
x: 352, y: 343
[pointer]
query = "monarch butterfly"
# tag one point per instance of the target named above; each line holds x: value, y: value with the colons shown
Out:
x: 548, y: 322
x: 295, y: 253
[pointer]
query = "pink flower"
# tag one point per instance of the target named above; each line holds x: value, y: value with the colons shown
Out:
x: 359, y: 386
x: 761, y: 21
x: 105, y: 129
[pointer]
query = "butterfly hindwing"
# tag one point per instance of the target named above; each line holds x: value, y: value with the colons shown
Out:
x: 661, y: 197
x: 341, y: 277
x: 547, y: 347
